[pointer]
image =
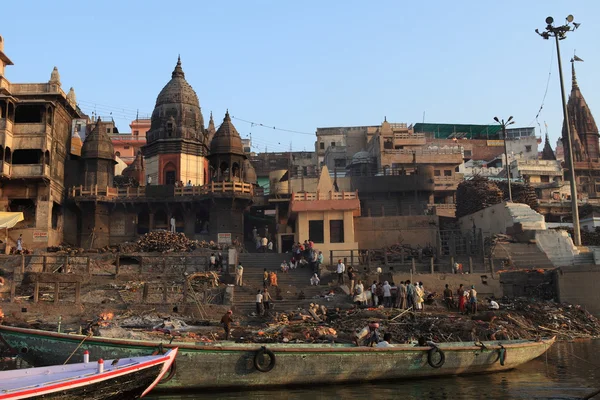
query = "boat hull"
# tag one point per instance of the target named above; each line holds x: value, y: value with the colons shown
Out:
x: 233, y: 365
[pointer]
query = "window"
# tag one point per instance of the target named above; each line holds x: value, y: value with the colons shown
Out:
x: 545, y: 178
x: 169, y: 128
x: 322, y: 145
x: 126, y: 147
x: 457, y: 169
x: 336, y: 231
x: 339, y: 162
x: 468, y: 153
x: 447, y: 172
x: 437, y: 173
x: 108, y: 130
x: 136, y: 133
x: 305, y: 171
x: 332, y: 145
x: 315, y: 231
x: 29, y: 114
x: 528, y: 149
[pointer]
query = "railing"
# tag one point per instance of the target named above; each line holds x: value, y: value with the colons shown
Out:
x: 128, y: 137
x: 29, y: 170
x: 211, y: 188
x: 442, y: 206
x: 447, y: 179
x: 424, y: 151
x: 324, y: 196
x: 31, y: 128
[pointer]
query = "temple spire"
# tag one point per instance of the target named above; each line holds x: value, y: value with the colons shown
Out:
x: 178, y: 71
x: 575, y: 85
x: 547, y: 152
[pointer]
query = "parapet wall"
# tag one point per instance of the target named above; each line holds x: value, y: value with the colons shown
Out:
x: 379, y: 232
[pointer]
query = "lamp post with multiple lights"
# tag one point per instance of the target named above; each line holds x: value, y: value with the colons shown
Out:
x: 503, y: 125
x: 560, y: 33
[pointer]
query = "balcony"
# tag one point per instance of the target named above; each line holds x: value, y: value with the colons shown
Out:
x: 29, y: 171
x: 329, y: 201
x: 128, y: 138
x: 447, y: 182
x: 5, y: 168
x: 422, y: 156
x: 36, y: 128
x: 143, y: 193
x: 407, y: 139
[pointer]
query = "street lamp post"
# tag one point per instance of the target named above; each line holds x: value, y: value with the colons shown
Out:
x: 503, y: 125
x: 560, y: 33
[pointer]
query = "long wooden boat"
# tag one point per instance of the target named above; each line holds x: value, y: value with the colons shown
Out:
x: 247, y: 365
x: 125, y: 379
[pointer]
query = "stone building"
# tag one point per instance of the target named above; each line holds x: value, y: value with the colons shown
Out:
x: 176, y: 145
x: 586, y: 147
x: 35, y: 147
x: 205, y: 186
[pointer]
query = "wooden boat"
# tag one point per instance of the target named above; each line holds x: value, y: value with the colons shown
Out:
x: 247, y: 365
x: 128, y: 378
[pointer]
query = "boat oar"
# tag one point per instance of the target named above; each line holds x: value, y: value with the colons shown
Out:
x: 77, y: 348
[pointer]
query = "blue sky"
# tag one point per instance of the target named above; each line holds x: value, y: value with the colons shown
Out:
x: 307, y: 64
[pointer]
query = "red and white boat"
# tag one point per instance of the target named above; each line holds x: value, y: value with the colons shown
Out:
x: 126, y: 378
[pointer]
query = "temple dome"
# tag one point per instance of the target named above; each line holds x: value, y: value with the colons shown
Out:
x: 361, y: 157
x: 178, y: 90
x: 227, y: 140
x: 177, y: 113
x: 97, y: 144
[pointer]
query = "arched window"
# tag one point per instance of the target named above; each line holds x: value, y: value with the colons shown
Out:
x: 169, y: 174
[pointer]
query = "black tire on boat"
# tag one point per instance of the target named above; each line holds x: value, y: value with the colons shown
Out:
x: 430, y: 355
x: 171, y: 374
x: 259, y: 357
x: 502, y: 355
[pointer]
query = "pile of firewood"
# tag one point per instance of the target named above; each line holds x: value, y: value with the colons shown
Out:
x: 165, y: 242
x: 476, y: 194
x: 521, y: 193
x: 121, y: 181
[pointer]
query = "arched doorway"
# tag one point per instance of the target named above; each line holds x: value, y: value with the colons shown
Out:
x: 169, y: 174
x: 143, y: 223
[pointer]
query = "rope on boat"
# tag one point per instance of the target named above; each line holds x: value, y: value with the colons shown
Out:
x: 77, y: 348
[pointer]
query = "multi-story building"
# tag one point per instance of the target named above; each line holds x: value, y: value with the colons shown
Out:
x: 128, y: 145
x: 35, y: 147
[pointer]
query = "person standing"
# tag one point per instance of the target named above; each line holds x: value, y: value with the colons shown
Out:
x: 319, y: 263
x: 419, y: 294
x: 448, y: 297
x: 410, y: 295
x: 461, y: 298
x: 173, y: 224
x: 264, y: 242
x: 351, y: 278
x: 374, y: 298
x: 254, y: 233
x: 387, y: 294
x: 20, y: 244
x: 265, y: 278
x: 259, y: 303
x: 341, y: 268
x: 149, y: 181
x: 361, y: 296
x: 226, y: 320
x: 213, y: 262
x: 401, y: 303
x: 270, y: 246
x: 239, y: 275
x: 473, y: 299
x: 266, y: 300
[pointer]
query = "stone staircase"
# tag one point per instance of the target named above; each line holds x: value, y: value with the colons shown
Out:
x: 522, y: 255
x: 290, y: 283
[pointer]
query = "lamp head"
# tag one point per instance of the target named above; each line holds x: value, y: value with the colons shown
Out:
x: 549, y: 20
x: 569, y: 18
x: 509, y: 119
x: 496, y: 119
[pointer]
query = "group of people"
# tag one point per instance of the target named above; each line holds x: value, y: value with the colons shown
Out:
x: 263, y: 243
x: 467, y: 300
x: 305, y: 254
x: 263, y: 301
x: 215, y: 262
x: 405, y: 295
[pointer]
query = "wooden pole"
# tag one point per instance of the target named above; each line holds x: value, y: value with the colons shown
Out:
x: 431, y: 265
x: 44, y: 261
x: 470, y: 265
x: 77, y: 292
x: 118, y: 265
x: 22, y: 263
x: 413, y: 266
x: 88, y: 267
x: 145, y: 293
x: 56, y: 290
x: 36, y: 292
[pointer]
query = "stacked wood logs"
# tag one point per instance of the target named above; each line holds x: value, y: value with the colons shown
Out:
x: 521, y: 193
x: 476, y: 194
x: 164, y: 242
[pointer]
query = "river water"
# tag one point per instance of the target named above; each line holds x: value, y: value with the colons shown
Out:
x: 569, y: 370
